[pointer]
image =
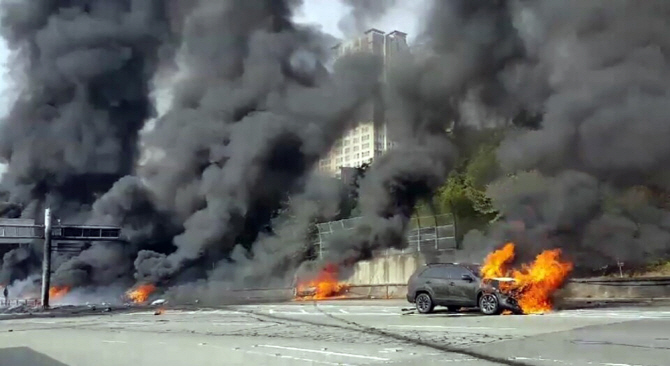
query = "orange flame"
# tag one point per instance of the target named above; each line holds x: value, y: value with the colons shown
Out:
x: 326, y: 285
x: 141, y: 293
x: 496, y: 262
x: 57, y: 292
x: 533, y: 283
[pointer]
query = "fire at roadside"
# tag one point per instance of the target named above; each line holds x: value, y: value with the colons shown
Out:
x: 140, y: 294
x: 533, y: 284
x: 326, y: 285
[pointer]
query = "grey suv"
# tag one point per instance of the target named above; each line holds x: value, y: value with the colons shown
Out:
x: 457, y: 285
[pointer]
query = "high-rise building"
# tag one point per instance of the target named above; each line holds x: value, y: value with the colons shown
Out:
x: 369, y: 138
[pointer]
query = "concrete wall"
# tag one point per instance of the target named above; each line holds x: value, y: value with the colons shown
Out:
x: 386, y: 270
x: 617, y: 288
x: 394, y: 268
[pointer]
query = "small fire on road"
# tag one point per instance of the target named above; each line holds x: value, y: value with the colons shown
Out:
x: 57, y: 292
x: 533, y: 284
x: 141, y: 293
x: 326, y: 285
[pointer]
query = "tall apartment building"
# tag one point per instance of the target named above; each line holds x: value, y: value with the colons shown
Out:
x: 369, y: 138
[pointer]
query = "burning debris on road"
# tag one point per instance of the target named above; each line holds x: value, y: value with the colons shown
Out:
x: 532, y: 285
x: 326, y: 285
x: 141, y: 293
x: 57, y: 292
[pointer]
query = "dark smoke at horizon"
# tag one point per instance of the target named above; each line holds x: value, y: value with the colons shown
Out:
x: 362, y: 13
x: 84, y: 71
x: 265, y: 110
x: 231, y: 200
x: 599, y: 72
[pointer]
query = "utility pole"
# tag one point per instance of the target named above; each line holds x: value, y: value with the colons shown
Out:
x: 46, y: 261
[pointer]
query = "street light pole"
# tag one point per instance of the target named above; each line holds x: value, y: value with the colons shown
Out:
x: 46, y: 260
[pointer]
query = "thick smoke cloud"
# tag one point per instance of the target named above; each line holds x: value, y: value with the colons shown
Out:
x: 253, y: 114
x: 469, y: 43
x: 84, y: 70
x: 599, y: 73
x: 362, y: 13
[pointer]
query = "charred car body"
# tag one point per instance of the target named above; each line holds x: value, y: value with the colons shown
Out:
x: 455, y: 285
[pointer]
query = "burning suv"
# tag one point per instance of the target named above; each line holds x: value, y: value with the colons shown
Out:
x: 457, y: 285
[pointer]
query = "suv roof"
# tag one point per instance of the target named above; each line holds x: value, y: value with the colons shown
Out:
x: 453, y: 264
x: 472, y: 267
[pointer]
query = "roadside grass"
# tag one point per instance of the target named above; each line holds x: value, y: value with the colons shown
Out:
x: 655, y: 270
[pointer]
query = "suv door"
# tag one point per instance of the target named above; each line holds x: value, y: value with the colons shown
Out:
x: 464, y: 292
x: 436, y: 280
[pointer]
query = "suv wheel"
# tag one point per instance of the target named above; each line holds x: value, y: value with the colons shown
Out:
x: 424, y: 304
x: 488, y: 304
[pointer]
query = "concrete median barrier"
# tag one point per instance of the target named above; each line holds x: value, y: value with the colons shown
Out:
x: 618, y: 288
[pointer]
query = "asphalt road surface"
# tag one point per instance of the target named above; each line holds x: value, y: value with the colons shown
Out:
x: 340, y: 333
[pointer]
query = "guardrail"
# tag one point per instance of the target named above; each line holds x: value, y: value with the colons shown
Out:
x: 18, y: 302
x: 625, y: 281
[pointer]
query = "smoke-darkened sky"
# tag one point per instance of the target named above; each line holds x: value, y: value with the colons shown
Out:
x: 326, y: 13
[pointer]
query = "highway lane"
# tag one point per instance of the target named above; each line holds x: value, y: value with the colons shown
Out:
x: 372, y: 332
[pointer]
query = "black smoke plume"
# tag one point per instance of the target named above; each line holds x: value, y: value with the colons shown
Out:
x: 598, y: 73
x: 468, y: 45
x: 84, y: 70
x: 253, y: 114
x: 362, y: 13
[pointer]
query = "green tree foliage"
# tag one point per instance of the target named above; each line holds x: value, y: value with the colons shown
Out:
x: 464, y: 192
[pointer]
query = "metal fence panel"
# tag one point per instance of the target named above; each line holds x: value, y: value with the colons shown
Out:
x: 426, y: 233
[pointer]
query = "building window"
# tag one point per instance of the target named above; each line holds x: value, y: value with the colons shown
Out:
x: 365, y: 137
x: 358, y: 156
x: 356, y: 140
x: 365, y: 153
x: 355, y: 148
x: 346, y: 150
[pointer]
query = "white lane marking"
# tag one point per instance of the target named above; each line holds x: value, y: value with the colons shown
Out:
x: 571, y: 362
x: 114, y: 342
x: 127, y: 323
x: 447, y: 327
x: 41, y: 322
x: 330, y: 353
x: 630, y: 314
x: 311, y: 361
x: 344, y: 311
x: 324, y: 314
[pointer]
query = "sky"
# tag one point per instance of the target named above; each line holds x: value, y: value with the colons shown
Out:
x: 326, y: 14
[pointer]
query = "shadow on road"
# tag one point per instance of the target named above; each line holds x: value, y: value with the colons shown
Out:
x: 25, y: 356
